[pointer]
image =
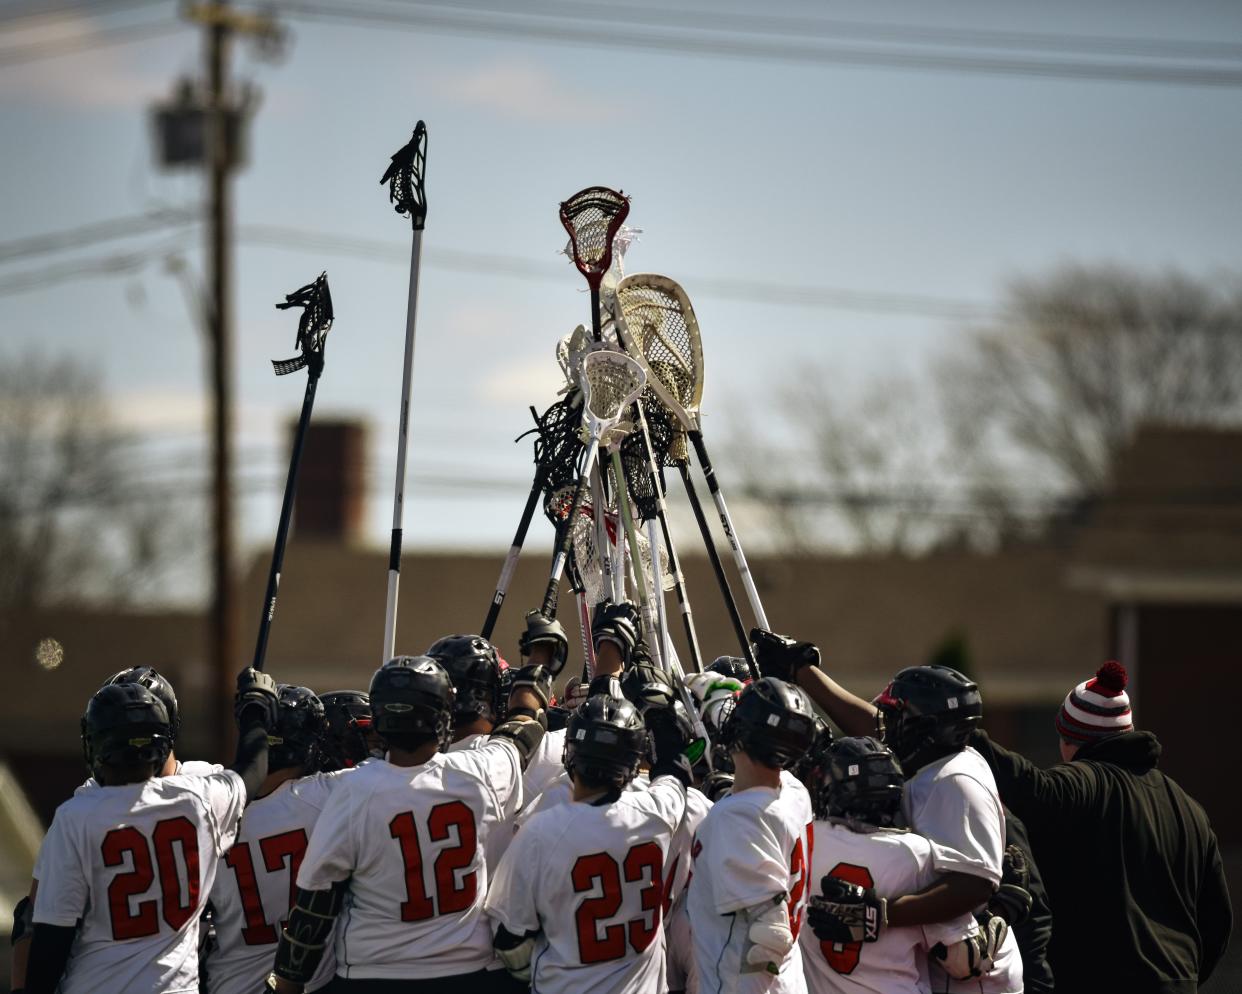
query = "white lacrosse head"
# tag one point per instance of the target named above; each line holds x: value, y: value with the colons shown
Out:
x: 569, y: 352
x: 658, y: 320
x: 611, y: 381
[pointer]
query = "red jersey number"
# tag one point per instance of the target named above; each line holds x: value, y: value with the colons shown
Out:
x: 277, y: 851
x: 843, y: 956
x: 642, y: 864
x: 452, y: 819
x: 799, y: 867
x: 175, y: 845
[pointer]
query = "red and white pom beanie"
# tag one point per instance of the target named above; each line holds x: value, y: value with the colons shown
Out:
x: 1098, y: 707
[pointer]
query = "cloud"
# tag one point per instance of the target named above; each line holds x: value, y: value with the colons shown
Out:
x: 519, y: 381
x: 522, y: 89
x: 101, y: 79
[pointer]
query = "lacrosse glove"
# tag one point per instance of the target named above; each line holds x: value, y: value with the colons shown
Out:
x: 780, y: 656
x: 846, y: 912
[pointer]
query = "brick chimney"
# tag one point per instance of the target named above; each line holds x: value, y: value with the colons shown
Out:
x: 330, y: 502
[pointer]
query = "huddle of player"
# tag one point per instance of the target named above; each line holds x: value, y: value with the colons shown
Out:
x: 455, y: 829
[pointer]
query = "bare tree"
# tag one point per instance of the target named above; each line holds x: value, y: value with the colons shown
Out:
x: 75, y: 522
x: 1015, y: 420
x: 1051, y: 391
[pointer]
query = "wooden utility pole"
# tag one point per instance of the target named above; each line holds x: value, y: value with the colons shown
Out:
x: 205, y: 127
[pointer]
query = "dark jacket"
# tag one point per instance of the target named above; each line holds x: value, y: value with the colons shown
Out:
x: 1035, y: 931
x: 1132, y: 868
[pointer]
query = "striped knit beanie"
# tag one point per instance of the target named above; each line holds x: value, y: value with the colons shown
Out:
x: 1097, y: 708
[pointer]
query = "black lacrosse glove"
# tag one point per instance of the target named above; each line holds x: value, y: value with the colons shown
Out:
x: 605, y: 683
x: 846, y: 912
x: 781, y: 657
x: 644, y: 685
x: 1012, y: 900
x: 535, y: 678
x: 671, y: 736
x: 255, y: 701
x: 544, y: 631
x: 616, y: 623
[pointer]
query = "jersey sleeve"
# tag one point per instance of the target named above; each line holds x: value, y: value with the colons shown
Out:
x: 513, y: 891
x: 225, y: 797
x: 332, y: 853
x: 666, y: 800
x: 64, y: 887
x: 500, y: 768
x: 955, y: 929
x: 745, y: 864
x: 965, y: 824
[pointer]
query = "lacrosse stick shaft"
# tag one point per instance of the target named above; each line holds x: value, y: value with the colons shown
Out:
x: 511, y: 560
x: 584, y: 626
x: 403, y: 444
x: 748, y: 581
x: 654, y: 644
x: 718, y: 568
x: 653, y: 540
x: 548, y: 609
x: 597, y: 328
x: 603, y: 544
x: 286, y: 516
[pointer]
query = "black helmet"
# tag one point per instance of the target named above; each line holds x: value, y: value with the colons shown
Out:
x: 644, y: 685
x: 772, y: 722
x: 734, y: 666
x: 301, y: 726
x: 809, y: 768
x: 861, y: 781
x: 125, y: 724
x: 605, y: 741
x: 348, y: 716
x: 929, y: 712
x: 158, y: 684
x: 412, y: 696
x: 473, y: 666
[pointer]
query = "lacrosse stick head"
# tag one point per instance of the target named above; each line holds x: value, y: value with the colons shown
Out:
x: 569, y: 352
x: 593, y: 217
x: 557, y: 444
x: 657, y: 317
x: 315, y: 299
x: 611, y: 381
x: 405, y: 177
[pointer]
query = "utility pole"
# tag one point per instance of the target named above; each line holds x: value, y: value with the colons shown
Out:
x: 205, y: 126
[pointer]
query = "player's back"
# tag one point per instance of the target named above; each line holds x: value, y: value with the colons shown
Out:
x: 135, y: 864
x: 410, y: 840
x: 254, y: 889
x: 753, y: 845
x: 894, y: 863
x: 590, y: 879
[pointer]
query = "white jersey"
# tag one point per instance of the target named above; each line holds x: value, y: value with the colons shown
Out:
x: 754, y: 845
x: 680, y: 957
x: 954, y: 802
x: 255, y: 888
x: 134, y: 864
x: 190, y: 768
x: 410, y: 840
x: 894, y: 863
x: 590, y: 880
x: 546, y: 764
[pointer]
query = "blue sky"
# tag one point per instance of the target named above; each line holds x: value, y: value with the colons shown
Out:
x: 871, y: 179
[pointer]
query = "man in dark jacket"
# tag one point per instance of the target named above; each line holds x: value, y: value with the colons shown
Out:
x: 1131, y: 865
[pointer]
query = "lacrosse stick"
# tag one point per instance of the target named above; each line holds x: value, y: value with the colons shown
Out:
x: 593, y: 217
x: 654, y: 322
x: 556, y: 450
x: 405, y: 176
x: 610, y: 382
x: 316, y: 302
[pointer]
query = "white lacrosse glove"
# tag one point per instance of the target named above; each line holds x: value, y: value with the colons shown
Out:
x: 768, y: 937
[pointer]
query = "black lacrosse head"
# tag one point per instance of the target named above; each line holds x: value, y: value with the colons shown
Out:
x: 405, y: 176
x: 315, y: 299
x: 593, y: 217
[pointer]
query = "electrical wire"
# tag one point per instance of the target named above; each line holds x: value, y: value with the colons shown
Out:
x: 111, y: 229
x: 43, y: 10
x: 13, y: 55
x: 635, y: 33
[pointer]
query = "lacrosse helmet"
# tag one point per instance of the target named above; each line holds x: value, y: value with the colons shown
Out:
x: 605, y: 741
x: 771, y: 721
x: 472, y: 664
x: 301, y: 726
x: 348, y: 716
x: 929, y: 712
x: 125, y: 724
x: 412, y: 696
x: 861, y: 781
x: 158, y: 684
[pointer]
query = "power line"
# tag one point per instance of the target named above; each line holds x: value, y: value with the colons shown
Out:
x: 12, y: 55
x: 111, y: 229
x: 654, y: 37
x: 776, y: 24
x: 745, y: 290
x: 42, y: 10
x: 119, y: 264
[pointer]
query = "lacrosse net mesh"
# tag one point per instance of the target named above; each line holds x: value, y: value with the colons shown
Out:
x: 315, y: 299
x: 666, y: 333
x: 405, y: 177
x: 584, y: 542
x: 610, y: 381
x: 593, y: 217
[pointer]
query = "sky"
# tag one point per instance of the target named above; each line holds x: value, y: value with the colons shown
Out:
x: 878, y: 180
